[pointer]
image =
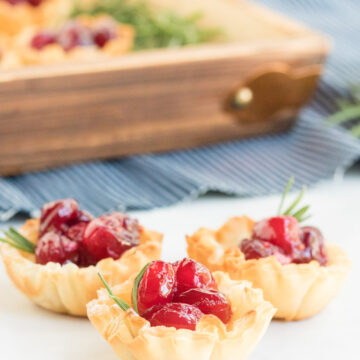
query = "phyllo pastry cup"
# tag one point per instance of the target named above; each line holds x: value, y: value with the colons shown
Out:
x: 132, y: 337
x: 24, y: 54
x: 68, y: 288
x: 14, y: 18
x: 298, y: 291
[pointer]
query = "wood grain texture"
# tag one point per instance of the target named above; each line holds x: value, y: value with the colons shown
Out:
x: 158, y: 100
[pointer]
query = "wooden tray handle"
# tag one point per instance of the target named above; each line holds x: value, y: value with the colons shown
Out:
x: 273, y: 92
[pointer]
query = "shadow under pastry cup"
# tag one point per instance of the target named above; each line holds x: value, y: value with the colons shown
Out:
x: 14, y: 18
x: 132, y: 337
x: 298, y: 291
x: 68, y: 288
x: 23, y: 54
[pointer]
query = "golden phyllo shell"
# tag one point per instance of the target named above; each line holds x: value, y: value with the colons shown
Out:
x: 14, y: 18
x: 68, y: 288
x: 132, y: 337
x: 298, y: 291
x: 23, y: 54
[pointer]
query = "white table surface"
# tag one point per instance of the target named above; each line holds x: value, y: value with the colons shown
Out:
x: 28, y: 332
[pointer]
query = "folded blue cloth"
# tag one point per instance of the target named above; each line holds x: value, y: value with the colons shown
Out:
x: 311, y: 151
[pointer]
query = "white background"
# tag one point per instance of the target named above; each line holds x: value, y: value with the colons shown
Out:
x: 28, y: 332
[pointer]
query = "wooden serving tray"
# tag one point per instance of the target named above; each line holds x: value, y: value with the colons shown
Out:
x: 149, y: 101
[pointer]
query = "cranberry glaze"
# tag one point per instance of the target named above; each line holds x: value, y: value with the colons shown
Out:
x: 178, y: 295
x: 33, y: 3
x: 68, y: 234
x: 74, y: 34
x: 282, y: 237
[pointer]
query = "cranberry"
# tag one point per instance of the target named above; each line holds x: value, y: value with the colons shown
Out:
x: 35, y: 3
x: 74, y: 34
x: 256, y: 249
x: 156, y: 287
x: 54, y: 247
x: 83, y: 216
x: 76, y: 232
x: 191, y: 274
x: 177, y: 315
x: 15, y: 2
x: 313, y: 247
x: 110, y: 236
x: 102, y: 35
x: 56, y: 215
x: 209, y: 302
x: 42, y: 39
x: 282, y: 231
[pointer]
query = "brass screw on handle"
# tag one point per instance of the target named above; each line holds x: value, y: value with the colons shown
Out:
x: 243, y: 97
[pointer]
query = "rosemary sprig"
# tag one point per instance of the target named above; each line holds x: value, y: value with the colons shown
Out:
x: 136, y: 286
x: 122, y: 304
x: 16, y: 240
x: 300, y: 214
x: 349, y: 112
x: 286, y: 191
x: 154, y: 28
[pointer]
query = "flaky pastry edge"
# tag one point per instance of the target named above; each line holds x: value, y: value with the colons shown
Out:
x: 14, y: 18
x: 68, y: 288
x: 298, y: 291
x: 22, y: 54
x: 132, y: 337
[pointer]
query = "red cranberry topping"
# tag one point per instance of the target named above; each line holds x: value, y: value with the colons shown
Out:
x: 156, y: 286
x: 15, y: 2
x: 103, y: 34
x: 282, y: 237
x: 94, y: 240
x: 256, y: 249
x: 162, y: 304
x: 56, y: 215
x: 314, y: 246
x: 74, y: 34
x: 191, y: 274
x: 40, y: 40
x: 209, y: 302
x: 76, y: 232
x: 34, y: 3
x: 111, y: 235
x: 54, y: 247
x: 282, y: 231
x: 177, y: 315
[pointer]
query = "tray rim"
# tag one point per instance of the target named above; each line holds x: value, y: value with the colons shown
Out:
x: 303, y: 38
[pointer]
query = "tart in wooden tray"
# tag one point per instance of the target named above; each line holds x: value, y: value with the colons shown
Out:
x: 76, y: 40
x: 252, y: 82
x: 15, y: 15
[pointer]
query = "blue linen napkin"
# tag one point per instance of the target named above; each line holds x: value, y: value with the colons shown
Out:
x: 311, y: 151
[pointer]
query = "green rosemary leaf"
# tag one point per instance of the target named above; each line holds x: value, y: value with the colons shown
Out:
x: 15, y: 245
x: 136, y: 286
x: 299, y: 214
x: 287, y: 189
x: 19, y: 239
x: 153, y: 28
x: 347, y: 113
x: 122, y: 304
x: 302, y: 219
x: 356, y: 130
x: 296, y: 202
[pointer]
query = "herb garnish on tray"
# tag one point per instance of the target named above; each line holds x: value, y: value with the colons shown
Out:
x: 154, y: 29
